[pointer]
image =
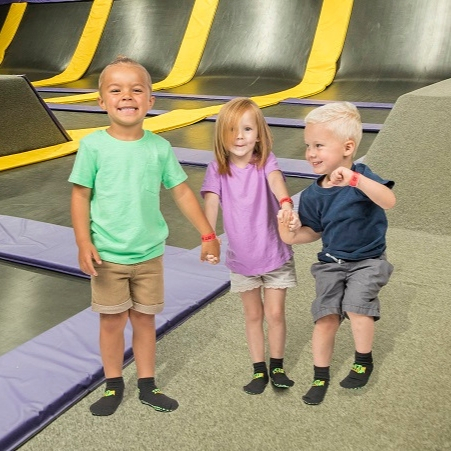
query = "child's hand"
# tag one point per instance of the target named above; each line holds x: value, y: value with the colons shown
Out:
x: 86, y: 255
x: 295, y: 222
x: 340, y: 177
x: 284, y: 216
x: 210, y: 251
x: 212, y: 259
x: 289, y: 219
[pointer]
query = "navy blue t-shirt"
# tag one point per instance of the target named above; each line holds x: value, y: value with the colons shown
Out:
x: 353, y: 227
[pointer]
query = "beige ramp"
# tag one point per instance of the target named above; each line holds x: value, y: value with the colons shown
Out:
x: 414, y: 149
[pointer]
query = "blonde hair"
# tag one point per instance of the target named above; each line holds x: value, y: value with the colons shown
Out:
x: 341, y: 118
x: 124, y: 60
x: 226, y: 129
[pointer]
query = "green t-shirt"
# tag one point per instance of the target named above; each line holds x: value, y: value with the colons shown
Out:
x: 127, y: 226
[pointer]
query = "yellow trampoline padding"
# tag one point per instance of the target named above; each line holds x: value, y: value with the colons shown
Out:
x: 10, y: 26
x: 320, y: 71
x: 37, y: 155
x: 188, y: 57
x: 86, y: 47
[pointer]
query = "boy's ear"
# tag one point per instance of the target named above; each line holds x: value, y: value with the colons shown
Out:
x: 101, y: 103
x: 151, y: 102
x: 349, y: 147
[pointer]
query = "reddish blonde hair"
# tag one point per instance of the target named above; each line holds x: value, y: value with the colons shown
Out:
x: 225, y: 132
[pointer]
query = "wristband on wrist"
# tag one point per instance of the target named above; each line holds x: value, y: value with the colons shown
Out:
x: 354, y: 179
x: 286, y: 199
x: 209, y: 237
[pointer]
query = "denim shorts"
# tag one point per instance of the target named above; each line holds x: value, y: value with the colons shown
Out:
x: 283, y: 277
x: 349, y: 286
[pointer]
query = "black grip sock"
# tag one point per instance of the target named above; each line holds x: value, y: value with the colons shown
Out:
x: 277, y: 374
x: 259, y: 380
x: 319, y: 386
x: 112, y: 397
x: 361, y: 371
x: 152, y: 396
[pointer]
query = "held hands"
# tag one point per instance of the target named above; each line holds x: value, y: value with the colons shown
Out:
x: 341, y: 177
x: 289, y: 219
x: 210, y: 251
x: 86, y: 255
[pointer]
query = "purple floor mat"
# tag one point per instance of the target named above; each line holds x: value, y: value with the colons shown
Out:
x: 48, y: 374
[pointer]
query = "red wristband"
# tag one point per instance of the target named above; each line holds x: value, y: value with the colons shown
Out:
x: 209, y: 237
x: 354, y: 179
x: 285, y: 199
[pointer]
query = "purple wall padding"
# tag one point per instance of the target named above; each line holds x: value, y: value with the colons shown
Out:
x: 48, y: 374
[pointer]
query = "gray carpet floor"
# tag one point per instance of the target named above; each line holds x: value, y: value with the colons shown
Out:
x: 204, y: 363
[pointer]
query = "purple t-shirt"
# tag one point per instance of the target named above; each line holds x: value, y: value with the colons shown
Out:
x: 249, y: 211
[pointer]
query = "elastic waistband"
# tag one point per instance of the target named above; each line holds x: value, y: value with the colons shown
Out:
x: 332, y: 259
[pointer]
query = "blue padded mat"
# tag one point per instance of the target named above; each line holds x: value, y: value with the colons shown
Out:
x: 48, y: 374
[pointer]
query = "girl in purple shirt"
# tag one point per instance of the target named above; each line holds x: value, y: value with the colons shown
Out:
x: 245, y: 180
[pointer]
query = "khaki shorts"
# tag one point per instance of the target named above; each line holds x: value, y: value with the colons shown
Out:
x: 118, y: 288
x: 283, y: 277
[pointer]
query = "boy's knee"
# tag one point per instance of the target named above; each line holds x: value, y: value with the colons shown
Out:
x: 113, y: 321
x: 328, y: 322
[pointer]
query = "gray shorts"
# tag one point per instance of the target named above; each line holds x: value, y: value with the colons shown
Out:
x: 283, y: 277
x: 351, y: 286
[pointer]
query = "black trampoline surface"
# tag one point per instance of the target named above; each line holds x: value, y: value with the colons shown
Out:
x: 160, y: 25
x: 261, y: 46
x: 392, y: 48
x: 4, y: 9
x: 42, y: 46
x: 34, y: 300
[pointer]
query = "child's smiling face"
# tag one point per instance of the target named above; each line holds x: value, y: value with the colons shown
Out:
x: 126, y: 95
x: 243, y: 139
x: 326, y: 151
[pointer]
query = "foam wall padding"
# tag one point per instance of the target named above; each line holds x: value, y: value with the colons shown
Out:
x: 26, y: 123
x: 413, y: 149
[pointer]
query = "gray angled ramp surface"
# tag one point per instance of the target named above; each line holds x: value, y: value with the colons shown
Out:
x: 413, y: 148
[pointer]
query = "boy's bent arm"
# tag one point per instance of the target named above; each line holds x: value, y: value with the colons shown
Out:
x: 302, y: 235
x: 377, y: 192
x: 191, y: 209
x: 80, y: 207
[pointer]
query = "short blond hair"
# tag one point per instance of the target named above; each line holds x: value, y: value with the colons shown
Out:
x: 125, y: 60
x: 225, y: 132
x: 341, y: 118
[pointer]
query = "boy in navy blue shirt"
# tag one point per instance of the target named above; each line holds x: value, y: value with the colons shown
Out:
x: 345, y: 207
